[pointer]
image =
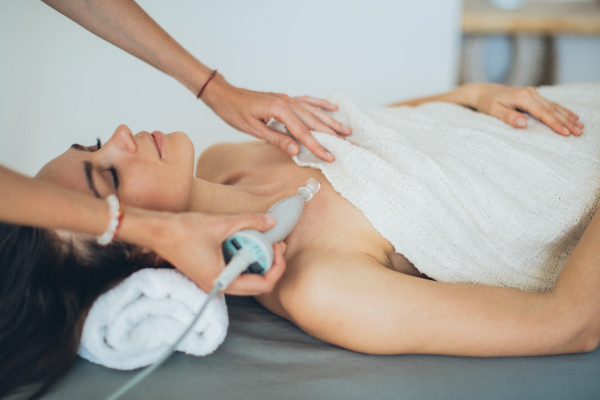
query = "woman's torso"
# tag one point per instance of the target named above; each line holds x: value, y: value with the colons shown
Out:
x: 329, y: 223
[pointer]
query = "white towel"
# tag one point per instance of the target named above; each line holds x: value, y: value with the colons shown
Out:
x: 464, y: 196
x: 133, y: 324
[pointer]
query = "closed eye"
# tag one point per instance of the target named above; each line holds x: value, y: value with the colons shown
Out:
x: 115, y: 176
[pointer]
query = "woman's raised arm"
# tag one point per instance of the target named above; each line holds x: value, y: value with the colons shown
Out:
x: 508, y: 104
x: 364, y: 306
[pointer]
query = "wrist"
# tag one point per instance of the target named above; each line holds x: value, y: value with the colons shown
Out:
x: 143, y: 227
x: 216, y: 91
x: 468, y: 95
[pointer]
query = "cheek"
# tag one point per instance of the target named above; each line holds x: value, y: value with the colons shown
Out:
x: 162, y: 192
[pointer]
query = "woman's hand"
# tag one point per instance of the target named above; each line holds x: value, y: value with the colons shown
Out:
x: 508, y: 103
x: 250, y: 111
x: 192, y: 243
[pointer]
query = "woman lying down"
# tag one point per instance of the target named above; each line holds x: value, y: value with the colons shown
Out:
x: 438, y: 229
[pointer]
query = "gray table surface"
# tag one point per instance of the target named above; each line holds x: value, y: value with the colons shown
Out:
x: 266, y: 357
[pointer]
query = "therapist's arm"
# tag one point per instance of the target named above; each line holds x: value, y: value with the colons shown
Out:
x: 189, y: 241
x: 126, y: 25
x: 508, y: 104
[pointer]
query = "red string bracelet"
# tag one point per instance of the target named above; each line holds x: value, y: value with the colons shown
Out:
x: 210, y: 78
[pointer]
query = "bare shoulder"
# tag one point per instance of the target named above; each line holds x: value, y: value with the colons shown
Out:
x: 338, y: 298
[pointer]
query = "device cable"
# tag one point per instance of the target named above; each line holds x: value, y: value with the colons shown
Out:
x: 235, y: 267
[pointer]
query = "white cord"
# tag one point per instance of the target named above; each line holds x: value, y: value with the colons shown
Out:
x: 236, y: 266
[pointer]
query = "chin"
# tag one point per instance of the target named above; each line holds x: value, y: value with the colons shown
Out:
x: 185, y: 147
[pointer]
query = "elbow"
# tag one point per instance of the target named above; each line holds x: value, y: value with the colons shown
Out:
x: 569, y: 327
x: 588, y: 342
x: 587, y: 337
x: 582, y: 334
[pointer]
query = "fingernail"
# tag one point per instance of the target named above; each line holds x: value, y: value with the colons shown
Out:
x: 329, y: 156
x: 346, y: 129
x: 566, y: 131
x: 521, y: 122
x: 270, y: 219
x: 577, y: 130
x: 292, y: 149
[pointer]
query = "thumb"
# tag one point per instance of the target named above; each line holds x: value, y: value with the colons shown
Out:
x: 281, y: 140
x: 514, y: 118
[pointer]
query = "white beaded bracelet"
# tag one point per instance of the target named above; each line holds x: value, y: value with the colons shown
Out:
x: 116, y: 215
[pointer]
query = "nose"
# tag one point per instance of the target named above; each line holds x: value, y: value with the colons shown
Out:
x: 123, y: 139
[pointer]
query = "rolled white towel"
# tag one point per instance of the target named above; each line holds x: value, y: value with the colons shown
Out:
x: 133, y: 324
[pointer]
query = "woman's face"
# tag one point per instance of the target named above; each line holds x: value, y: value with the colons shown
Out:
x: 152, y: 171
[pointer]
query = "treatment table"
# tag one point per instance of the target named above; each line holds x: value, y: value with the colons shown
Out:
x: 266, y: 357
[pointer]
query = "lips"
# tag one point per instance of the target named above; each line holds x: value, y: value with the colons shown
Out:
x: 158, y: 141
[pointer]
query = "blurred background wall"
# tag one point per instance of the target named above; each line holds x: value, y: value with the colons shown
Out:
x: 531, y: 42
x: 61, y: 84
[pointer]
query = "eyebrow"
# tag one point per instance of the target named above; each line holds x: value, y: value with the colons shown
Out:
x: 87, y: 168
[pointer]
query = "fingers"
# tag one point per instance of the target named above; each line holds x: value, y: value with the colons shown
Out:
x: 560, y: 119
x: 255, y: 284
x: 309, y: 115
x: 569, y: 119
x: 554, y: 120
x: 234, y: 223
x: 299, y: 130
x: 557, y: 114
x: 512, y: 117
x: 252, y: 110
x: 283, y: 141
x: 327, y: 122
x: 321, y: 103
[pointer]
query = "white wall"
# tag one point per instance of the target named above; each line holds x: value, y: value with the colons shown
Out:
x: 61, y: 84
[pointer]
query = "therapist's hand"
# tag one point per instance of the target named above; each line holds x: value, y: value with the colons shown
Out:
x: 192, y: 243
x: 249, y: 112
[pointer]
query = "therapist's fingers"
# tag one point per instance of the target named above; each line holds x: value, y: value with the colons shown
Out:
x: 327, y: 120
x: 281, y: 140
x: 310, y: 119
x: 321, y: 103
x: 316, y: 106
x: 249, y: 112
x: 256, y: 284
x: 235, y: 223
x: 299, y: 130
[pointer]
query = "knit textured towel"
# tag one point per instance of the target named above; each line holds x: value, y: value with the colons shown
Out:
x: 464, y: 196
x: 133, y: 324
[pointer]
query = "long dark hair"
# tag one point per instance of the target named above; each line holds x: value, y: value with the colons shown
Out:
x: 47, y: 285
